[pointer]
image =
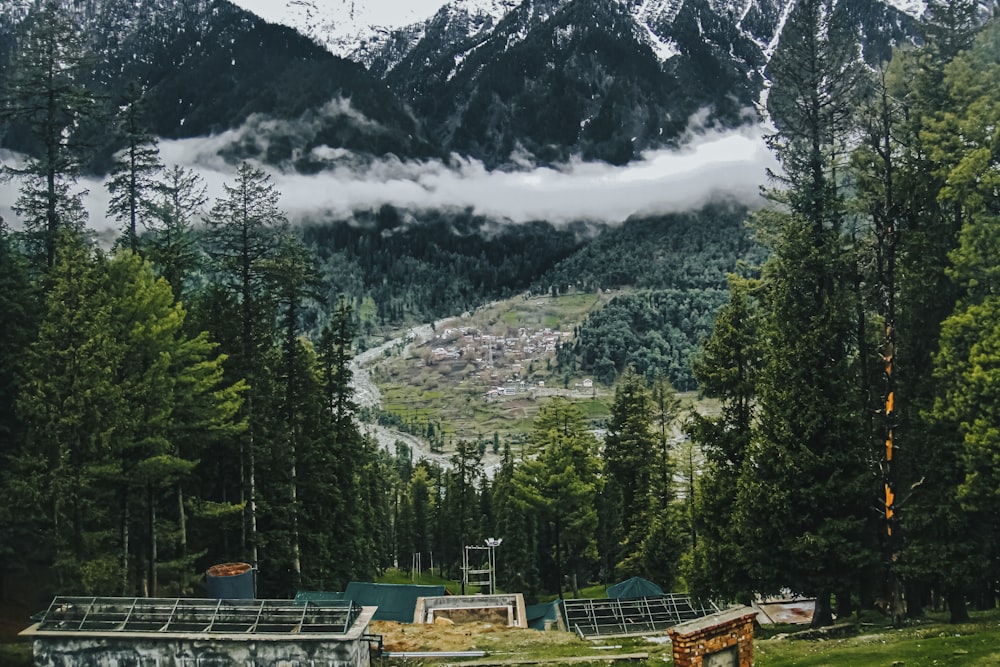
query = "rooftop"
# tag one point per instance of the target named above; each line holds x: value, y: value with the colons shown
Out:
x: 234, y: 619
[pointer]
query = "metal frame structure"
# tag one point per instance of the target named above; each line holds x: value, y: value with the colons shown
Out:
x: 197, y: 616
x: 632, y: 616
x: 473, y: 576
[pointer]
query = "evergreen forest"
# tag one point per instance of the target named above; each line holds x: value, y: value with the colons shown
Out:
x: 184, y: 398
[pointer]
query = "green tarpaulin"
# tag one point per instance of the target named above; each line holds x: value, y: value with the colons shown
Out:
x: 541, y: 616
x: 636, y: 587
x: 395, y: 602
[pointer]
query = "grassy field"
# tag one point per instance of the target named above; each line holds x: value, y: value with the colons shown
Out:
x: 868, y: 642
x: 926, y: 643
x: 453, y: 392
x: 929, y: 643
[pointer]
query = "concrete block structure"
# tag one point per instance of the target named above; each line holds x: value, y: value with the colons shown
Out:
x: 157, y: 632
x: 503, y: 609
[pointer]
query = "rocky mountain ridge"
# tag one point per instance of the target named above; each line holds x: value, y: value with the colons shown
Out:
x: 507, y: 82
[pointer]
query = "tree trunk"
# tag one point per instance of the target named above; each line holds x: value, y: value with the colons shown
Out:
x: 152, y: 540
x: 897, y: 601
x: 181, y: 522
x: 956, y: 606
x: 916, y: 599
x: 125, y: 542
x: 823, y: 615
x: 845, y: 606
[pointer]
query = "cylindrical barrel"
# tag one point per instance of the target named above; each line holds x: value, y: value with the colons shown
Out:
x: 230, y: 581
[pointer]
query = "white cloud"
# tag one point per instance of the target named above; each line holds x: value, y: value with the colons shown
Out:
x: 717, y: 163
x: 710, y: 165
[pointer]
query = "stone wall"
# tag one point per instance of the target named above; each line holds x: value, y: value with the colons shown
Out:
x: 177, y: 652
x: 720, y: 640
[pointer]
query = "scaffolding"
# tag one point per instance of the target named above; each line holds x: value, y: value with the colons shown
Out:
x: 477, y: 575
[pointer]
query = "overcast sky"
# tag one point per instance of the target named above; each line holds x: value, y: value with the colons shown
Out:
x: 388, y: 13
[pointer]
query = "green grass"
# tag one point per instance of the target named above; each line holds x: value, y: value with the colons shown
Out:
x: 394, y: 576
x: 597, y: 591
x: 924, y: 644
x: 16, y: 654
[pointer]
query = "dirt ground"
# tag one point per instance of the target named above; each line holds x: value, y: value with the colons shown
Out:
x: 467, y: 637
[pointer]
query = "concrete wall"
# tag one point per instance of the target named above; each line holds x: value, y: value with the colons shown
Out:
x: 179, y: 652
x: 463, y: 609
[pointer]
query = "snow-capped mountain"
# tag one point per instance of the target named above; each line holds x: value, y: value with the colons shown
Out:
x: 353, y: 28
x: 502, y: 81
x: 209, y: 67
x: 603, y: 79
x: 360, y: 29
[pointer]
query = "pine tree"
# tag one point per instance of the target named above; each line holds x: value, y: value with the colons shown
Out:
x: 516, y: 524
x: 135, y: 166
x: 118, y: 403
x: 71, y: 405
x: 242, y: 234
x: 164, y: 373
x: 876, y: 164
x: 294, y: 277
x: 967, y: 361
x: 19, y: 303
x: 805, y: 491
x: 564, y: 483
x: 726, y: 369
x: 340, y: 461
x: 929, y: 452
x: 460, y: 506
x: 45, y: 95
x: 176, y: 202
x: 629, y: 449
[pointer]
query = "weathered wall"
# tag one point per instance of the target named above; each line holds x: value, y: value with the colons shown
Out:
x: 177, y: 652
x: 694, y: 644
x: 511, y: 606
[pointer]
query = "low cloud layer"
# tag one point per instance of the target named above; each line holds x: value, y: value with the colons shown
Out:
x: 709, y: 166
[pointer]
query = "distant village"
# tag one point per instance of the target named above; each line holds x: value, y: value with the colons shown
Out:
x: 503, y: 364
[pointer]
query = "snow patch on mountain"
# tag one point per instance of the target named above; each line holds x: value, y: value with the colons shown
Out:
x: 359, y: 29
x: 911, y: 7
x: 343, y: 25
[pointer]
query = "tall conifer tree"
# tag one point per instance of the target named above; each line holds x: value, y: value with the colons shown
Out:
x: 726, y: 369
x: 805, y: 492
x: 243, y: 231
x: 46, y: 95
x: 132, y: 175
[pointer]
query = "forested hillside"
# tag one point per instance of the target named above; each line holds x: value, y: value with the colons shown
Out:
x: 419, y: 267
x: 681, y: 262
x: 180, y: 400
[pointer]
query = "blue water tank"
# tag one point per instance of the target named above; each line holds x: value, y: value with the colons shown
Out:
x: 230, y: 581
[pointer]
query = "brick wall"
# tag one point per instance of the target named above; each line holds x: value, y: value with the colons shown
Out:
x: 691, y: 645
